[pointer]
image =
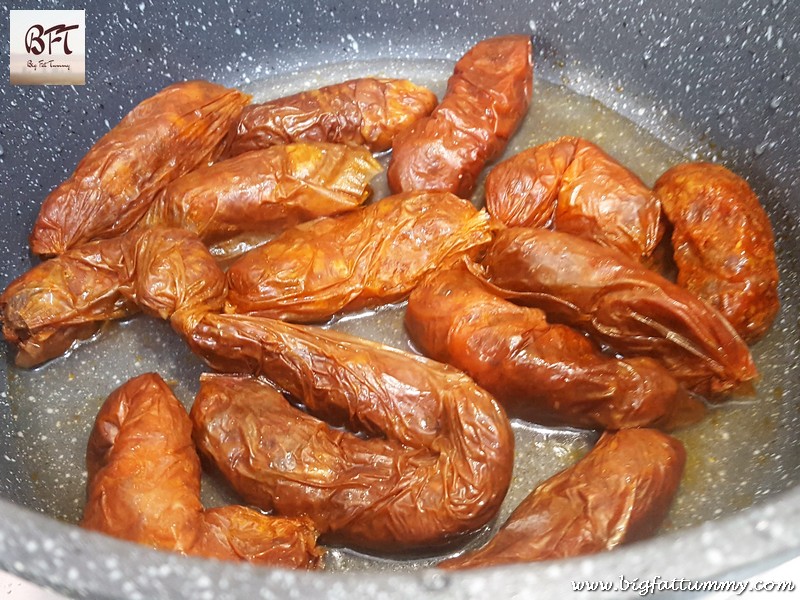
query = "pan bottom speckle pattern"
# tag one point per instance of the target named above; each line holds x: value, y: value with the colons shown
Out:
x: 742, y: 453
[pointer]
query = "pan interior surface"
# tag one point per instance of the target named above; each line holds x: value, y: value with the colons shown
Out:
x: 652, y: 85
x: 737, y: 456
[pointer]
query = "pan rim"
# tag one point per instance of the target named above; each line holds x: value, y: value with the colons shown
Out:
x: 745, y: 541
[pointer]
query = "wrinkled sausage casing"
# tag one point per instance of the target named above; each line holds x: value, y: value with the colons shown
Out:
x: 266, y: 191
x: 169, y: 271
x: 619, y: 493
x: 548, y: 374
x: 143, y: 471
x: 160, y: 270
x: 241, y: 533
x: 431, y: 462
x: 180, y: 128
x: 572, y: 185
x: 632, y: 309
x: 723, y: 244
x: 368, y: 112
x: 361, y: 259
x: 144, y: 486
x: 60, y: 301
x: 522, y: 191
x: 487, y: 97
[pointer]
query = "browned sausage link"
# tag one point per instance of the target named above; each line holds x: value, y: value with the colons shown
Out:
x: 169, y: 272
x: 60, y: 301
x: 487, y: 98
x: 623, y: 304
x: 67, y: 298
x: 619, y: 493
x: 440, y: 450
x: 573, y: 186
x: 144, y: 486
x: 365, y: 258
x: 368, y: 112
x: 265, y: 191
x: 723, y: 244
x: 522, y: 191
x: 549, y: 374
x: 240, y: 533
x: 165, y: 136
x: 143, y: 472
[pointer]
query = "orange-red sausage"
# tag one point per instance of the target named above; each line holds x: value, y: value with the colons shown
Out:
x: 571, y: 185
x: 144, y: 486
x: 487, y: 97
x: 365, y: 258
x: 160, y: 270
x: 723, y: 244
x: 436, y: 461
x: 619, y: 493
x: 265, y: 192
x: 369, y: 112
x: 630, y: 308
x: 180, y: 128
x: 548, y: 374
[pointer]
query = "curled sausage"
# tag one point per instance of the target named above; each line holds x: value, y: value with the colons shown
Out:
x: 573, y: 186
x: 632, y: 309
x: 265, y: 191
x: 619, y: 493
x: 369, y: 112
x: 431, y: 462
x: 66, y: 299
x: 144, y: 486
x: 487, y: 98
x: 549, y: 374
x: 368, y: 257
x: 723, y: 244
x: 167, y: 135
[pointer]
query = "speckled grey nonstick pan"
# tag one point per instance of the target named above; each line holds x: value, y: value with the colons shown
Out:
x: 670, y: 80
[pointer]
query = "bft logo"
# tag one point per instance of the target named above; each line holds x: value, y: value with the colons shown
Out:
x: 35, y: 38
x: 48, y: 47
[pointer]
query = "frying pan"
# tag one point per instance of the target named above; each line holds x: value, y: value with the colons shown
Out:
x: 714, y: 78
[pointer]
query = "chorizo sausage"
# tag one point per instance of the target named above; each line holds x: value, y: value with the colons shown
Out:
x: 65, y: 299
x: 241, y: 533
x: 265, y: 191
x: 632, y: 309
x: 361, y: 259
x: 144, y: 486
x: 619, y: 493
x: 522, y: 191
x: 548, y: 374
x: 180, y: 128
x: 369, y: 112
x: 436, y: 461
x: 486, y: 99
x: 572, y: 185
x: 723, y: 244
